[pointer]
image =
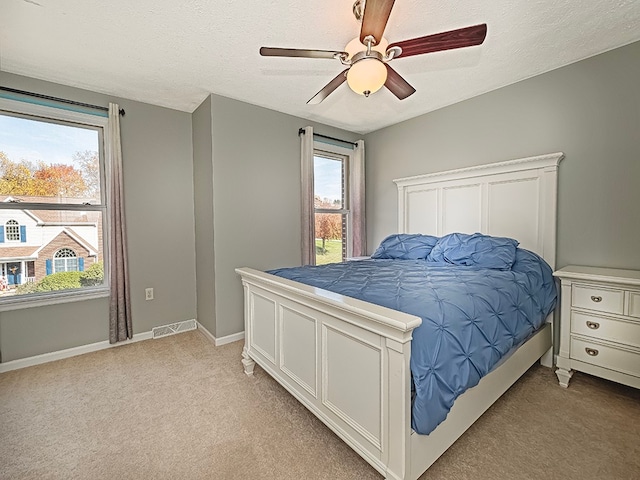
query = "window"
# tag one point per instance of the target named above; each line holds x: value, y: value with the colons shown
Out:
x: 65, y: 260
x: 12, y: 231
x: 330, y: 206
x: 332, y: 199
x: 52, y: 178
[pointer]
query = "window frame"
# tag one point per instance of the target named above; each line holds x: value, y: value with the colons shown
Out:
x: 13, y: 224
x: 65, y: 259
x: 73, y: 118
x: 335, y: 152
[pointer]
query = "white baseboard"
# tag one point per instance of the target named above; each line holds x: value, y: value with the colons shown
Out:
x: 229, y: 339
x: 222, y: 340
x: 94, y: 347
x: 69, y: 352
x: 206, y: 332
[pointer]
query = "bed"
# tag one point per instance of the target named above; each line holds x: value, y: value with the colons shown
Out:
x: 348, y: 360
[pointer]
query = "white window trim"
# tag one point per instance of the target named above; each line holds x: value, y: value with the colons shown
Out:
x: 52, y: 113
x: 346, y: 154
x: 53, y: 298
x: 6, y: 231
x: 66, y: 260
x: 87, y: 293
x: 349, y: 154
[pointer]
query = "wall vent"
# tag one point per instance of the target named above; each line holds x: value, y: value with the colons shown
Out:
x: 172, y: 329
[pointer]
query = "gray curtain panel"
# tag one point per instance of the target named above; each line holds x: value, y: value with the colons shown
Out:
x: 120, y: 326
x: 359, y: 228
x: 307, y: 219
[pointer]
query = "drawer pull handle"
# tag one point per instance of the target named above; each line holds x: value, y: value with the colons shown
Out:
x: 593, y: 325
x: 596, y: 299
x: 592, y: 352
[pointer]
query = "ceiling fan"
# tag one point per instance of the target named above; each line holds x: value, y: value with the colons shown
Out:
x: 367, y: 57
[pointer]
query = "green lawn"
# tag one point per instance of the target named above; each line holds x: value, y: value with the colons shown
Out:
x: 333, y: 253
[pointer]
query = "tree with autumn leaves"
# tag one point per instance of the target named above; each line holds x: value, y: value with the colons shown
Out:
x: 328, y: 226
x: 51, y: 180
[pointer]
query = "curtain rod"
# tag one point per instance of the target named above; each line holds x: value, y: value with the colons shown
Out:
x: 58, y: 99
x: 301, y: 131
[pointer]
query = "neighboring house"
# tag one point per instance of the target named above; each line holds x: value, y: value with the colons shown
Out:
x: 37, y: 243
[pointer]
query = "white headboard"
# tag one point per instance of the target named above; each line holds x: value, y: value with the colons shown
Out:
x: 515, y: 199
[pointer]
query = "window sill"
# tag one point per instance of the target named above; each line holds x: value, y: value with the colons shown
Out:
x: 45, y: 299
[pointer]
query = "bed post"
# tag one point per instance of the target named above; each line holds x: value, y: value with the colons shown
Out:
x: 398, y: 419
x: 549, y: 221
x: 247, y: 361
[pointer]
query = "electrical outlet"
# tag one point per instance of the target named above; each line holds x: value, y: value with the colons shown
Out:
x: 148, y: 293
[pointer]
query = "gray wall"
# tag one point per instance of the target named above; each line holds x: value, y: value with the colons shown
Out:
x: 203, y: 207
x: 256, y: 172
x: 589, y: 110
x: 158, y: 177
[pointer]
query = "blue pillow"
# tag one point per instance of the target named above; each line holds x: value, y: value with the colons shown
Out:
x: 405, y: 246
x: 476, y: 250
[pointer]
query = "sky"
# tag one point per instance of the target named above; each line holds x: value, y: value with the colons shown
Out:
x: 327, y: 178
x: 31, y: 140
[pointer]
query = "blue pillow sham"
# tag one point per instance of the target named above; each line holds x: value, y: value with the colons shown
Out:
x: 405, y: 246
x: 476, y: 250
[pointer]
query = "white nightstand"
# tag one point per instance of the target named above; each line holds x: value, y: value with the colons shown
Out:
x: 599, y: 324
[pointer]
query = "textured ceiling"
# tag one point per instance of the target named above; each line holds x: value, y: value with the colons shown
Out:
x: 173, y: 53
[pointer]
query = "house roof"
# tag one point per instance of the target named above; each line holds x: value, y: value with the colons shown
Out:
x: 174, y: 53
x: 81, y: 240
x: 77, y: 239
x: 7, y: 253
x: 66, y: 217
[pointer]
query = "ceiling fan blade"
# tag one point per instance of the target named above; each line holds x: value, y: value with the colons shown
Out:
x: 375, y: 18
x: 329, y: 88
x: 298, y: 52
x: 398, y: 85
x: 463, y: 37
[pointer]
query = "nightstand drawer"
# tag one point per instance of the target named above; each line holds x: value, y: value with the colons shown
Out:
x: 600, y: 299
x: 634, y: 304
x: 605, y: 328
x: 606, y: 356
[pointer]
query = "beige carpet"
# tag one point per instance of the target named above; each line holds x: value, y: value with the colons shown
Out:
x: 180, y: 408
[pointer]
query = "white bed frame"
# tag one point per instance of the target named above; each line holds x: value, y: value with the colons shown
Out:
x: 347, y: 360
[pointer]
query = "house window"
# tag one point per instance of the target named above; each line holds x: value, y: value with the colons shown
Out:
x: 65, y: 260
x: 52, y: 178
x: 12, y: 231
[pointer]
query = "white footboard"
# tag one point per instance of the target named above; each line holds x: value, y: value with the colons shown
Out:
x: 346, y: 360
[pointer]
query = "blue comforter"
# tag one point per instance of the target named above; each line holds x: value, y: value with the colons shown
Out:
x: 471, y: 317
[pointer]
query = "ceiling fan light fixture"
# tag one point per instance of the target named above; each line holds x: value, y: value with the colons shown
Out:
x: 367, y: 76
